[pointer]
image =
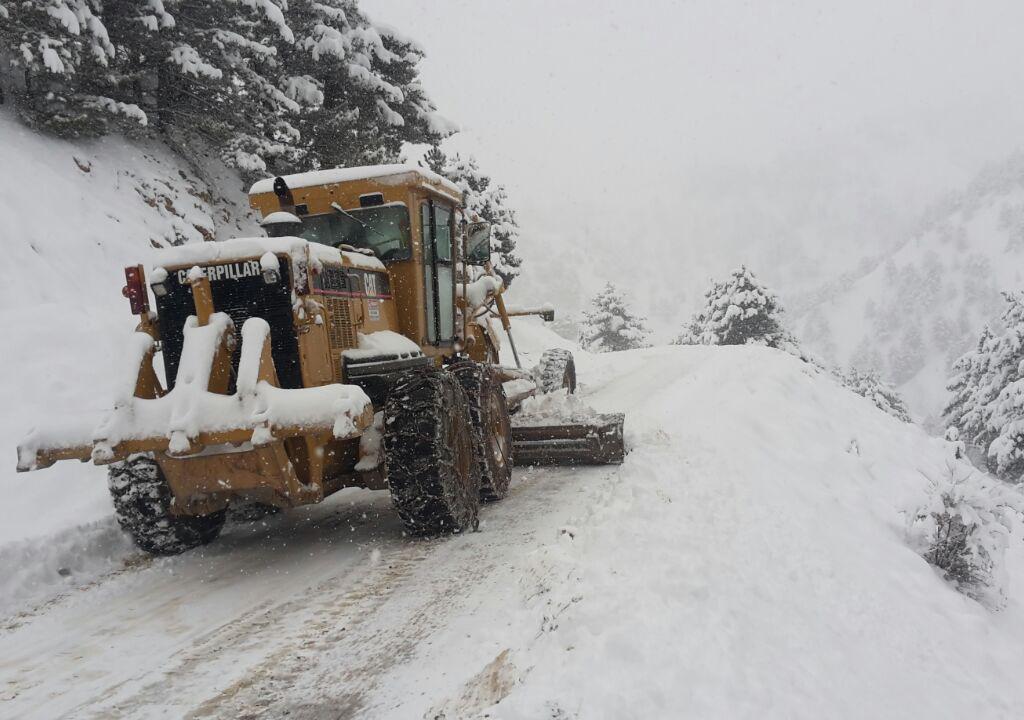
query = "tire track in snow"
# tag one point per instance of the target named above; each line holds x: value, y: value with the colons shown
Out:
x: 140, y: 645
x: 102, y: 645
x: 379, y: 626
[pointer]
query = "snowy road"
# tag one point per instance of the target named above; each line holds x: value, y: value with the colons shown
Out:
x: 747, y: 560
x: 326, y: 598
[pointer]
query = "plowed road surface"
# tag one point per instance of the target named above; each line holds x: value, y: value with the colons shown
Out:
x: 328, y: 599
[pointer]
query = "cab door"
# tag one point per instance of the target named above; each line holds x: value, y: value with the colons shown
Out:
x: 437, y: 224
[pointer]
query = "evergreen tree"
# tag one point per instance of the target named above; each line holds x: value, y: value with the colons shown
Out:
x: 964, y: 409
x: 364, y: 81
x: 870, y: 385
x: 738, y: 311
x: 611, y: 326
x: 988, y: 393
x: 60, y: 51
x: 486, y: 200
x: 213, y: 74
x: 270, y: 84
x: 963, y: 529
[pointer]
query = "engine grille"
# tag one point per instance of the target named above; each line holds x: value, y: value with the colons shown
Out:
x: 341, y: 332
x: 241, y: 297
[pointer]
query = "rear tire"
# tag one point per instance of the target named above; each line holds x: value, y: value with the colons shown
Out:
x: 430, y: 454
x: 556, y: 371
x: 142, y: 506
x: 488, y: 410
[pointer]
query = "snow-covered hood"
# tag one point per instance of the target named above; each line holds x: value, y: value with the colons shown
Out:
x: 228, y: 251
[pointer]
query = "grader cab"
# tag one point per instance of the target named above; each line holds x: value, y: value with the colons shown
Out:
x: 352, y: 346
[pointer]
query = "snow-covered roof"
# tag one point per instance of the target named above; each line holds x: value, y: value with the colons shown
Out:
x: 242, y: 248
x: 280, y: 218
x: 334, y: 176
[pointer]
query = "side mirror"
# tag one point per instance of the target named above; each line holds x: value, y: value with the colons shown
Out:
x: 478, y: 243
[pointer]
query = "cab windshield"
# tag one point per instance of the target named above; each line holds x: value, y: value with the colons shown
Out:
x: 383, y: 229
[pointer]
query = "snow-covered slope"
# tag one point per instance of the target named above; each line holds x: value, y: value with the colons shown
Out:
x: 748, y: 559
x: 912, y: 312
x: 72, y: 216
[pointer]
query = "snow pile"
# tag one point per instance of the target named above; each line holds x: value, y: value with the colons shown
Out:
x: 749, y: 559
x: 383, y: 342
x: 557, y: 408
x: 36, y: 572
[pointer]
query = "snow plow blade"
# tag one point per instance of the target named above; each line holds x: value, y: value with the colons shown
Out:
x: 598, y: 442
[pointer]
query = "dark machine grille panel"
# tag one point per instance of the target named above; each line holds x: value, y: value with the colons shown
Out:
x: 241, y: 296
x: 340, y: 330
x: 352, y: 282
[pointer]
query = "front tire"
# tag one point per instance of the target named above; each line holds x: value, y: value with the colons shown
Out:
x: 142, y: 505
x: 430, y: 454
x: 556, y: 371
x: 489, y: 412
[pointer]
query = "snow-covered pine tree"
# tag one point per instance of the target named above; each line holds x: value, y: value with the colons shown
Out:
x: 963, y: 529
x: 270, y: 84
x: 738, y: 311
x: 963, y: 411
x: 365, y: 79
x: 610, y: 326
x: 59, y: 54
x: 487, y: 200
x: 210, y: 75
x: 988, y: 393
x: 868, y: 384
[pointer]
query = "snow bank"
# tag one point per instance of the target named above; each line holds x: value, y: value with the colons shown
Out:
x: 72, y: 216
x: 555, y: 408
x: 749, y: 559
x: 69, y: 560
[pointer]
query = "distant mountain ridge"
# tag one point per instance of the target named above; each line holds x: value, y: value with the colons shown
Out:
x: 911, y: 312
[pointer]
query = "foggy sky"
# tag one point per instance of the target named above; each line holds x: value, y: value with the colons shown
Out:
x: 670, y: 141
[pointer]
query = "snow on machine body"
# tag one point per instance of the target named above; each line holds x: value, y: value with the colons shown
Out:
x: 353, y: 347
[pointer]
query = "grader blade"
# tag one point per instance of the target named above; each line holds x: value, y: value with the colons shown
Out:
x: 595, y: 442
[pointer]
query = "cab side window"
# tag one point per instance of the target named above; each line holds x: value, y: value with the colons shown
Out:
x: 443, y: 239
x: 438, y: 273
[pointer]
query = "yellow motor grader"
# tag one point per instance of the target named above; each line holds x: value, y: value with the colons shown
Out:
x: 352, y: 346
